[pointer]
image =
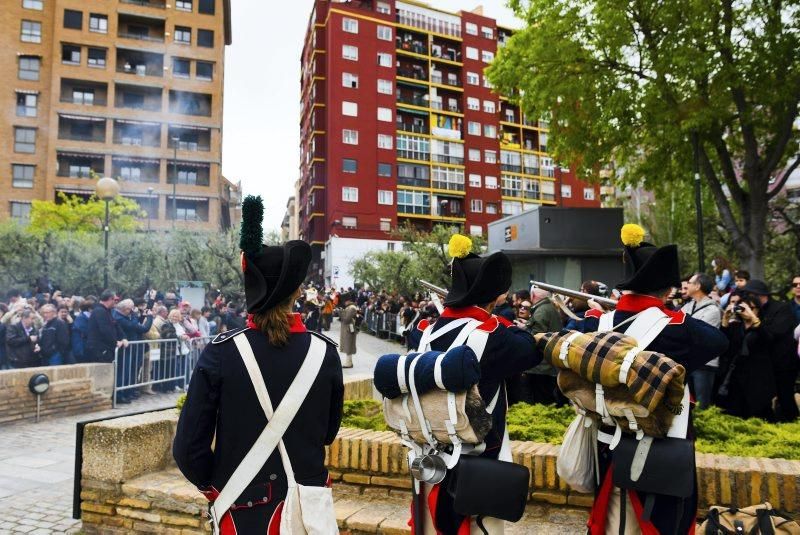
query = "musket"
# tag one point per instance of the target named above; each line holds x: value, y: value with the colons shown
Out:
x: 606, y: 302
x: 432, y: 287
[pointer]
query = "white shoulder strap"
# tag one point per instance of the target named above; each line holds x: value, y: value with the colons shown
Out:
x: 647, y: 326
x: 606, y: 322
x: 279, y: 421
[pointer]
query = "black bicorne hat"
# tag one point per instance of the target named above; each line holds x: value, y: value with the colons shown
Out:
x: 647, y: 267
x: 476, y: 280
x: 271, y: 273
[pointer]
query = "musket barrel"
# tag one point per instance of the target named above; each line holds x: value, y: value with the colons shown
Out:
x: 432, y: 287
x: 574, y: 293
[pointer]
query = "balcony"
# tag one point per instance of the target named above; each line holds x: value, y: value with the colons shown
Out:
x: 137, y: 133
x: 83, y: 92
x: 447, y: 206
x: 410, y: 42
x: 413, y: 100
x: 451, y: 107
x: 511, y: 167
x: 137, y: 97
x: 445, y: 79
x: 76, y: 165
x: 159, y: 4
x: 443, y: 50
x: 413, y: 182
x: 188, y: 103
x: 140, y: 63
x: 78, y: 128
x: 432, y: 22
x: 140, y: 28
x: 413, y: 128
x: 449, y: 185
x: 137, y: 170
x: 444, y: 158
x: 190, y: 138
x: 414, y: 72
x: 512, y: 192
x: 188, y: 210
x: 413, y: 155
x: 189, y: 173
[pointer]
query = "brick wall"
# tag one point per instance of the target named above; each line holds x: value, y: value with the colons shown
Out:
x: 74, y: 389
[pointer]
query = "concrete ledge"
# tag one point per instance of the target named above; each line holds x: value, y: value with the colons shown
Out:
x: 74, y: 389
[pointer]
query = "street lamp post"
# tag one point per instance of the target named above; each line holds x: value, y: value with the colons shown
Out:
x: 106, y: 189
x: 149, y: 207
x: 698, y: 203
x: 175, y: 140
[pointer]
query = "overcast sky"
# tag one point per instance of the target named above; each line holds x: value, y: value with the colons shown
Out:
x: 262, y: 94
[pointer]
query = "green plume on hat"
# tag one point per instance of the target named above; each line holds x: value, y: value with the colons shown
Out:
x: 251, y: 236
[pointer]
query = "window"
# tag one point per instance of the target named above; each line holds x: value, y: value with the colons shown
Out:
x: 350, y: 194
x: 471, y: 28
x: 474, y: 181
x: 472, y: 52
x: 181, y: 67
x: 488, y: 106
x: 474, y: 128
x: 350, y: 80
x: 476, y: 230
x: 31, y: 31
x: 491, y: 208
x: 385, y: 87
x: 385, y: 141
x: 205, y: 38
x: 96, y: 57
x: 490, y: 156
x: 71, y: 54
x: 183, y: 35
x: 474, y: 155
x: 490, y: 130
x: 206, y: 7
x: 98, y: 23
x: 384, y: 33
x: 386, y: 225
x: 473, y: 104
x: 473, y: 78
x: 385, y: 169
x: 27, y: 104
x: 83, y: 96
x: 349, y: 222
x: 486, y: 83
x: 350, y: 52
x: 349, y: 165
x: 130, y: 173
x: 385, y: 114
x: 413, y: 202
x: 385, y: 197
x: 383, y: 8
x: 476, y: 206
x: 487, y: 56
x: 29, y: 67
x: 73, y: 19
x: 350, y: 137
x: 490, y: 182
x: 204, y: 70
x: 33, y: 4
x: 487, y: 32
x: 350, y: 25
x: 349, y: 108
x: 183, y: 5
x: 384, y: 60
x: 588, y: 194
x: 21, y: 212
x: 24, y: 139
x: 22, y: 175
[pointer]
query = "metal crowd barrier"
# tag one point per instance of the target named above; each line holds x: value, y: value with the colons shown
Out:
x: 148, y: 363
x: 383, y: 325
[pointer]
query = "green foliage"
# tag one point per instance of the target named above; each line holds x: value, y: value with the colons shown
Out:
x: 716, y: 432
x: 252, y: 232
x: 630, y: 83
x: 424, y: 256
x: 363, y: 414
x: 76, y: 215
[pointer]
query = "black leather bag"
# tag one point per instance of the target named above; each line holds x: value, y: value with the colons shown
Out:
x: 488, y: 487
x: 668, y: 468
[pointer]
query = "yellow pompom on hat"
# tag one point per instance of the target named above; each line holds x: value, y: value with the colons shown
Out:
x: 460, y: 246
x: 632, y: 235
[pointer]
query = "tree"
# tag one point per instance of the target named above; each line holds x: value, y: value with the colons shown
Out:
x: 635, y: 81
x: 74, y: 214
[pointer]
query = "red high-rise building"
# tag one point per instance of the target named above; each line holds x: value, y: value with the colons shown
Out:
x: 400, y: 125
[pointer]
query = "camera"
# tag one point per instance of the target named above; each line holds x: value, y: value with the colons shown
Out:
x: 737, y: 309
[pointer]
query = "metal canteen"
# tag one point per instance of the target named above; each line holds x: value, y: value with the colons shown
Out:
x: 429, y: 469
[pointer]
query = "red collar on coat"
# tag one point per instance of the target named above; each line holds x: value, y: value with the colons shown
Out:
x: 490, y: 322
x: 295, y: 323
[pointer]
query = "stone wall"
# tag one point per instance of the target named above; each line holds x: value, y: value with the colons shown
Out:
x: 74, y: 389
x: 130, y: 483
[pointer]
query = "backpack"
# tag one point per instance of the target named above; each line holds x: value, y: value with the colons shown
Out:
x: 759, y: 519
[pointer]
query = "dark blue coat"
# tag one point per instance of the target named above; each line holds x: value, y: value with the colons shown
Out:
x: 689, y: 342
x: 131, y: 327
x: 80, y: 330
x: 221, y: 399
x: 103, y: 335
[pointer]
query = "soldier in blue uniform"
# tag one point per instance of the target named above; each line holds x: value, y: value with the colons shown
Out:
x: 651, y: 273
x: 221, y: 399
x: 477, y: 283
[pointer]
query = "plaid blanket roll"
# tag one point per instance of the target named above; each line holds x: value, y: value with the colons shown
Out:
x: 597, y: 357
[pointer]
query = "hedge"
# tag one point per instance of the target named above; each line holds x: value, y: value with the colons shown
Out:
x: 716, y: 432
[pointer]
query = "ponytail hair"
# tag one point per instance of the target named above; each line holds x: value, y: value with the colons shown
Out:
x: 275, y: 322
